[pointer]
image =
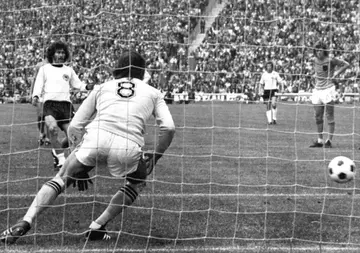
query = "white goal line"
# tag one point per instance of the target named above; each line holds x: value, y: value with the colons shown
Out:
x: 202, y: 195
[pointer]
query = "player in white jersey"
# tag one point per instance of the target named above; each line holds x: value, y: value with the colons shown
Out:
x: 53, y: 84
x: 270, y: 79
x: 327, y: 69
x: 113, y: 119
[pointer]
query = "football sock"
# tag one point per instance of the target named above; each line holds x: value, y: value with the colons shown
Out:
x: 94, y: 225
x: 274, y: 112
x: 61, y: 158
x: 123, y: 198
x: 268, y: 115
x: 46, y: 195
x: 320, y: 140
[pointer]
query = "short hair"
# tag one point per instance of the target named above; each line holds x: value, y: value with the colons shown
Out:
x: 130, y: 64
x: 56, y: 46
x: 321, y: 45
x: 271, y: 63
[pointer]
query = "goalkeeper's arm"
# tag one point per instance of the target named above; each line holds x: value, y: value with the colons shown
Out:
x: 81, y: 119
x: 167, y: 128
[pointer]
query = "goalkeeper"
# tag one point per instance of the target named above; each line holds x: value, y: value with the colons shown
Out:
x: 115, y: 135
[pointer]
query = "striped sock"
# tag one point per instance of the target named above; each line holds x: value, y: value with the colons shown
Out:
x: 123, y: 198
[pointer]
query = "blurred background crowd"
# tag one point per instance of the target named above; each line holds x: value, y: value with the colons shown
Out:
x: 244, y: 36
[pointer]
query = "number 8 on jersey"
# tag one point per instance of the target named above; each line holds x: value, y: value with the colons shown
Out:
x: 126, y: 89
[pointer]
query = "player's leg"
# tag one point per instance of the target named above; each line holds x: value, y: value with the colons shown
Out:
x: 67, y: 113
x: 267, y: 101
x: 44, y: 198
x: 44, y: 132
x: 125, y: 197
x: 319, y: 120
x: 40, y: 123
x: 273, y: 108
x: 47, y: 134
x: 127, y: 194
x: 56, y: 151
x: 65, y: 141
x: 330, y: 116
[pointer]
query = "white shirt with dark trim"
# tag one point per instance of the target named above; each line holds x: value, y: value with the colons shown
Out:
x: 55, y: 83
x: 270, y: 80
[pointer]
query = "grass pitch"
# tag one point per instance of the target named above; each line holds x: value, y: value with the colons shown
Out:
x: 228, y: 183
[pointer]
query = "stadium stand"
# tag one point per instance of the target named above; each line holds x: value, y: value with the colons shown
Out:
x: 230, y: 58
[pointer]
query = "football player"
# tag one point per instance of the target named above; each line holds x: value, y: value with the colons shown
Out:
x: 270, y: 79
x: 53, y: 83
x: 324, y: 94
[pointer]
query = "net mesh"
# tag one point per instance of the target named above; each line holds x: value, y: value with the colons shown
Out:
x: 229, y: 182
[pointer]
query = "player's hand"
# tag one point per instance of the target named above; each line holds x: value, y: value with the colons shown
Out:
x: 35, y: 101
x: 90, y: 86
x: 82, y: 181
x: 151, y: 159
x: 74, y: 136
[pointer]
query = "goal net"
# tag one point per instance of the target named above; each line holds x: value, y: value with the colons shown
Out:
x: 229, y: 181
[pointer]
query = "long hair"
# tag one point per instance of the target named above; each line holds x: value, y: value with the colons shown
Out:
x: 322, y: 46
x: 130, y: 64
x: 55, y: 46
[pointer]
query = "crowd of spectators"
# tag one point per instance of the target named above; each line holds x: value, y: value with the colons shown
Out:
x: 244, y: 36
x: 96, y: 30
x: 247, y: 34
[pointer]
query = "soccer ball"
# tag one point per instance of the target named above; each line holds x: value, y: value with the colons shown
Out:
x: 341, y: 169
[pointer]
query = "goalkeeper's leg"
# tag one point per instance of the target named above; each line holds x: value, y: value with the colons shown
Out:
x: 45, y: 197
x: 122, y: 199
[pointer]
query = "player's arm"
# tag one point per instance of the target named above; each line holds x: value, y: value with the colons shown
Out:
x: 280, y: 80
x: 37, y: 68
x: 81, y: 119
x: 33, y: 83
x: 38, y: 86
x: 166, y: 125
x: 76, y: 83
x: 343, y: 66
x: 261, y: 84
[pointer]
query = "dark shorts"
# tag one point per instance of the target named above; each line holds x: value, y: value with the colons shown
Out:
x: 268, y: 94
x: 62, y: 111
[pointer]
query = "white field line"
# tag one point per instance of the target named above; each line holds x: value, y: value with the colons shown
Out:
x: 204, y: 249
x: 202, y: 195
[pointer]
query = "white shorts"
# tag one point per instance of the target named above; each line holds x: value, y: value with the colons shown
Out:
x: 321, y: 97
x: 121, y: 155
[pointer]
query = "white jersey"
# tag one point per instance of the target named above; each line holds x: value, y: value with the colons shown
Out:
x: 270, y: 80
x: 147, y: 77
x: 54, y: 83
x: 122, y: 107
